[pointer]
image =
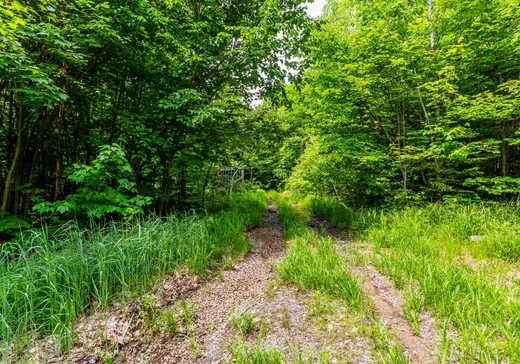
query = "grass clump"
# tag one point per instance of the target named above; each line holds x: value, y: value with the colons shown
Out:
x: 47, y: 281
x: 244, y: 322
x: 293, y: 219
x: 387, y: 347
x: 339, y: 215
x: 463, y: 282
x: 188, y: 312
x: 255, y: 354
x: 413, y: 306
x: 171, y: 323
x: 461, y: 261
x: 313, y: 261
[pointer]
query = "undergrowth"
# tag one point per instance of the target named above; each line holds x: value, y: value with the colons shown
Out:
x: 47, y: 281
x: 431, y: 248
x: 313, y: 263
x: 244, y: 353
x: 461, y: 262
x: 339, y: 215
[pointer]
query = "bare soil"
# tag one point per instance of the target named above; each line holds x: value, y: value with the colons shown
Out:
x: 388, y: 304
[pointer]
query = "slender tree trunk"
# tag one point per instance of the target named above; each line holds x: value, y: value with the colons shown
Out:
x: 119, y: 100
x: 430, y: 19
x: 17, y: 183
x: 205, y: 184
x: 17, y: 152
x: 165, y: 191
x: 504, y: 158
x: 61, y: 117
x: 59, y: 156
x: 31, y: 181
x: 405, y: 181
x: 3, y: 109
x: 432, y: 47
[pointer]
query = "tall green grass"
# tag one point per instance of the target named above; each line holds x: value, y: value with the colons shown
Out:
x: 430, y: 247
x: 47, y: 281
x: 459, y: 260
x: 313, y: 261
x: 339, y: 215
x: 293, y: 219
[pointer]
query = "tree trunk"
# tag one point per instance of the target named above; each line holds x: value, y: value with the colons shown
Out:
x: 59, y: 157
x: 165, y: 191
x: 17, y: 183
x: 432, y: 47
x: 504, y: 158
x: 17, y: 152
x: 430, y: 18
x: 205, y: 184
x: 61, y: 116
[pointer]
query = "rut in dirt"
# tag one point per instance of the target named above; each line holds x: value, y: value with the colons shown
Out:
x: 236, y: 290
x: 388, y: 302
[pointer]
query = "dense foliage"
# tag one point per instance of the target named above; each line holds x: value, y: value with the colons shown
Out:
x: 411, y: 100
x: 399, y: 101
x: 169, y: 81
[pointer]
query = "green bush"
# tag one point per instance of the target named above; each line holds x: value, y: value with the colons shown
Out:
x: 105, y: 187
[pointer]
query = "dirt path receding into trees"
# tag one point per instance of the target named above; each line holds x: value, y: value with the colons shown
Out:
x: 282, y: 315
x: 298, y: 324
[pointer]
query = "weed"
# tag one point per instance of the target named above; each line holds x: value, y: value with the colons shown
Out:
x: 270, y: 290
x: 388, y: 348
x: 109, y: 358
x: 247, y: 354
x: 171, y: 322
x: 188, y: 312
x: 244, y: 322
x: 459, y: 260
x: 445, y: 355
x: 313, y: 263
x: 227, y: 264
x: 194, y: 344
x: 339, y: 215
x: 286, y: 318
x: 220, y: 277
x: 320, y: 306
x: 412, y: 308
x: 149, y: 303
x: 426, y: 247
x: 322, y: 357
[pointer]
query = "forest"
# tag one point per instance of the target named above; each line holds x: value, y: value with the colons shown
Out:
x: 201, y: 181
